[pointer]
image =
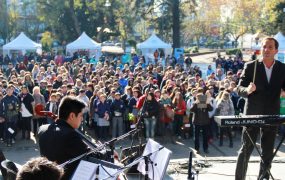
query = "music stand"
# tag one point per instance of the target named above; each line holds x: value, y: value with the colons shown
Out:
x: 156, y: 160
x: 91, y: 168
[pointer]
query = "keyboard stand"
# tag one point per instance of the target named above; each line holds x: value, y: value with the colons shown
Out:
x: 274, y: 154
x: 267, y: 169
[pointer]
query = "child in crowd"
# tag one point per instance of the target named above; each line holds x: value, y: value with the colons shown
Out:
x: 52, y: 107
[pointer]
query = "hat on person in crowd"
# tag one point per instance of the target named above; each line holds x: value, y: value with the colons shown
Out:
x: 229, y: 73
x: 117, y: 94
x: 58, y: 93
x: 24, y: 86
x: 43, y: 81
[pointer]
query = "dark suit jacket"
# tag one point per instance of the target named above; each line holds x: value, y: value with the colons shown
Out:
x: 59, y: 142
x: 266, y: 99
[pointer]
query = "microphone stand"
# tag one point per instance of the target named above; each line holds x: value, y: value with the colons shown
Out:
x: 131, y: 147
x: 146, y: 159
x: 94, y: 149
x: 190, y: 174
x: 140, y: 124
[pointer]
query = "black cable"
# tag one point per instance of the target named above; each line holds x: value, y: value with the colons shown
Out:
x: 106, y: 171
x: 152, y: 169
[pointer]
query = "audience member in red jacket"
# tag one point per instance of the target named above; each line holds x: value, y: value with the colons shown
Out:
x: 179, y: 106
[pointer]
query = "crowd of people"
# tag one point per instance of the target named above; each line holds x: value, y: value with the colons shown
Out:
x: 165, y: 97
x: 173, y: 101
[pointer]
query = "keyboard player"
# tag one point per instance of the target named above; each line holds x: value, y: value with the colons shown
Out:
x: 261, y: 83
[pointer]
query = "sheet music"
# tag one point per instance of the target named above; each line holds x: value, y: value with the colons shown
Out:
x: 160, y: 160
x: 87, y: 171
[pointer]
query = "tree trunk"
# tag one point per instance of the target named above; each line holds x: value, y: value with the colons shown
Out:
x: 4, y: 14
x: 197, y: 40
x: 176, y: 24
x: 74, y: 18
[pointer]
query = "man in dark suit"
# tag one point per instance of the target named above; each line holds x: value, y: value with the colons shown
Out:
x: 59, y: 141
x: 262, y: 92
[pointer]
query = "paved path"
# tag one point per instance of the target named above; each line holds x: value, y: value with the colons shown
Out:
x: 222, y: 159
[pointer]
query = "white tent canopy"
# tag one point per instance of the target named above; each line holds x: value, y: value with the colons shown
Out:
x: 149, y: 46
x: 21, y: 43
x: 153, y: 42
x: 281, y: 40
x: 281, y: 50
x: 84, y: 42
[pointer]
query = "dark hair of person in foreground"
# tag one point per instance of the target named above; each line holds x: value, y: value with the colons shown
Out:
x: 40, y: 169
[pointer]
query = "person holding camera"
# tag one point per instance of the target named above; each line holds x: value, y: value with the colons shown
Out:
x: 201, y: 108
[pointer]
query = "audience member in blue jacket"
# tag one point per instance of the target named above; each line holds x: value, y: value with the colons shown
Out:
x: 117, y: 111
x: 103, y: 111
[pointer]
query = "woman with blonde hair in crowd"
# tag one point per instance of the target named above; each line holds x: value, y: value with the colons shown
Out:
x: 29, y: 82
x: 39, y: 101
x: 224, y: 108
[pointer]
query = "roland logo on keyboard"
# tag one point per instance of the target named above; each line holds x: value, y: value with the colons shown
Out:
x: 244, y: 122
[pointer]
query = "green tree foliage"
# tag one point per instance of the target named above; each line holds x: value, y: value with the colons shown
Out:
x: 47, y: 40
x: 3, y: 20
x: 234, y: 18
x: 170, y: 17
x: 279, y: 15
x: 67, y: 19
